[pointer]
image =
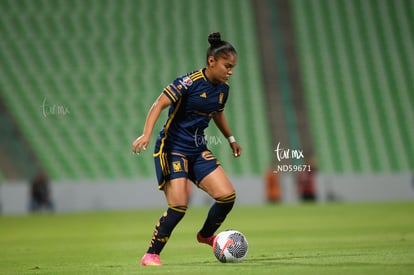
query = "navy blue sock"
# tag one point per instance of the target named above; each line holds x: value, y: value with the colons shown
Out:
x: 164, y: 228
x: 217, y: 214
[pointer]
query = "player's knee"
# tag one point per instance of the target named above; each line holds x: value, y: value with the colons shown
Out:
x: 227, y: 199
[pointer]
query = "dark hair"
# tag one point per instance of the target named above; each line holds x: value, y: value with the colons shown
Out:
x: 218, y: 47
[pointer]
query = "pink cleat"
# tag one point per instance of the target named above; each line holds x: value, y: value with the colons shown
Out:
x: 209, y: 240
x: 151, y: 260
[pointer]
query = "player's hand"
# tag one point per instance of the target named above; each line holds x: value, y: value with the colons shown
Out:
x: 236, y: 149
x: 140, y: 143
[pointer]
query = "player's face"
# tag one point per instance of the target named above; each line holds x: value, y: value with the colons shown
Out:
x: 222, y: 68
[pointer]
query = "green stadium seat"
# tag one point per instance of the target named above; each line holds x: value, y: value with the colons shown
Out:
x: 106, y: 62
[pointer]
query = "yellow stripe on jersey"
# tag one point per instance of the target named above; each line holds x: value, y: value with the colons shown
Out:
x: 197, y: 75
x: 176, y: 89
x: 196, y: 78
x: 170, y: 94
x: 167, y: 126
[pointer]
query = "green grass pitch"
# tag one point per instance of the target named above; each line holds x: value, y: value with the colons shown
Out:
x: 357, y: 238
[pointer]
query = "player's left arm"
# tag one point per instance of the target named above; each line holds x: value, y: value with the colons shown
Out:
x: 221, y: 122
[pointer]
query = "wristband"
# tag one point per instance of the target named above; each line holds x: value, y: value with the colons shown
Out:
x: 231, y: 139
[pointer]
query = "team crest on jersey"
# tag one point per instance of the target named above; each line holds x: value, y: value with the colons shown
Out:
x: 221, y: 98
x: 203, y: 95
x: 177, y: 166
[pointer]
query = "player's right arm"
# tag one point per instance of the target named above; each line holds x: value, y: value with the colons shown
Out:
x: 142, y: 141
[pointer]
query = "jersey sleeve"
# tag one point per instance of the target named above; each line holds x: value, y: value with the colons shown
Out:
x: 175, y: 90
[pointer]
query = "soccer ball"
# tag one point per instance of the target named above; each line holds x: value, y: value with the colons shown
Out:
x: 230, y: 246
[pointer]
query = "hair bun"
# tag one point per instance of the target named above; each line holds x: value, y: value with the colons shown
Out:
x: 215, y: 39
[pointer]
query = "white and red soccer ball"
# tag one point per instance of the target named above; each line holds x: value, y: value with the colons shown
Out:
x: 230, y: 246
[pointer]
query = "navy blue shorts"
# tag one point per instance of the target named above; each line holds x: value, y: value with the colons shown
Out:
x: 170, y: 165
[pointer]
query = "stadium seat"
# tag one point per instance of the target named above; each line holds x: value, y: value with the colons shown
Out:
x: 105, y: 62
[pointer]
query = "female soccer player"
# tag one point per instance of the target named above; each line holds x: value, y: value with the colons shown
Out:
x: 181, y: 152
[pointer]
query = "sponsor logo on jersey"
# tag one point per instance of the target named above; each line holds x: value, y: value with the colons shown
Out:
x: 203, y: 95
x: 186, y: 82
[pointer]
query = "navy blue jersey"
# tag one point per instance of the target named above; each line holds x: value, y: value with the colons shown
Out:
x: 195, y: 100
